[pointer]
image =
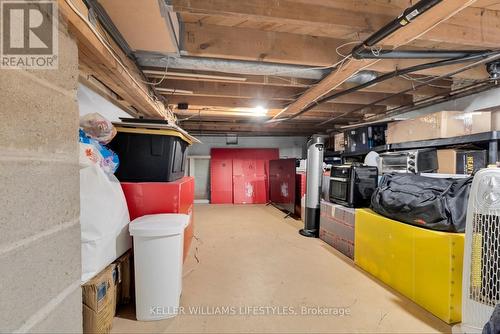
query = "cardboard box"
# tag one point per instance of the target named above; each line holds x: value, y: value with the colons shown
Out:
x: 443, y: 124
x: 336, y: 227
x: 461, y: 161
x: 346, y: 247
x: 99, y: 306
x: 339, y: 212
x: 339, y: 142
x: 123, y: 277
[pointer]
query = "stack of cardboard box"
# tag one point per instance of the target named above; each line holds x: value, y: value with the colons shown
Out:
x: 99, y: 304
x: 339, y: 142
x: 443, y: 124
x: 459, y: 161
x: 104, y: 292
x: 336, y: 227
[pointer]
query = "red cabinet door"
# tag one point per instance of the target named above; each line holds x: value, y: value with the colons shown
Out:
x: 243, y: 185
x: 261, y: 184
x: 221, y: 181
x: 250, y: 181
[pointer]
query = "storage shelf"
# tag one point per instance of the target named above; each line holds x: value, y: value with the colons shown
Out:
x: 468, y: 139
x: 492, y: 137
x: 381, y: 148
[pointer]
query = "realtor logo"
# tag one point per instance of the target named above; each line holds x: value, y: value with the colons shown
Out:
x: 28, y: 34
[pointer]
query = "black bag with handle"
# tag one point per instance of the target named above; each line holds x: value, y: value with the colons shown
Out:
x: 434, y: 203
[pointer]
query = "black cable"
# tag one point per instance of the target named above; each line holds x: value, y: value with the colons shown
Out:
x: 387, y: 76
x: 495, y: 55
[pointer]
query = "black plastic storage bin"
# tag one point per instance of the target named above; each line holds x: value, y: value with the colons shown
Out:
x: 151, y: 156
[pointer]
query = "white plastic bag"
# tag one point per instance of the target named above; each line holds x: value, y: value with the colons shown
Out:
x: 98, y: 127
x: 104, y: 220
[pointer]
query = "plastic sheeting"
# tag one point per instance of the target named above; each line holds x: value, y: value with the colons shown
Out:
x: 104, y: 220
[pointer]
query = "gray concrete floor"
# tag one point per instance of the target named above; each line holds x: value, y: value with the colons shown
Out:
x: 248, y: 255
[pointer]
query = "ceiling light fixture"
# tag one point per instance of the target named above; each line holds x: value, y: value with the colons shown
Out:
x: 259, y: 111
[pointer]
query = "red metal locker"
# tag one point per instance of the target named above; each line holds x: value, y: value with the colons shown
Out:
x: 221, y: 181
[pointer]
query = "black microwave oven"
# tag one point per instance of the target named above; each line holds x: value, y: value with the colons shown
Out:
x: 353, y: 185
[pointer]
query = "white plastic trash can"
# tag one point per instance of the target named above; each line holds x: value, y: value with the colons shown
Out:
x: 158, y: 248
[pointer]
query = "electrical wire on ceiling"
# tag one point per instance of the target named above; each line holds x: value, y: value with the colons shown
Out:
x: 342, y: 45
x: 474, y: 88
x: 398, y: 72
x: 165, y: 74
x: 409, y: 78
x: 337, y: 70
x: 371, y: 46
x: 495, y: 55
x: 277, y: 73
x: 436, y: 98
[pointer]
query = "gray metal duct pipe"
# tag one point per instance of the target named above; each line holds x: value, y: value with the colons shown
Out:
x: 243, y: 67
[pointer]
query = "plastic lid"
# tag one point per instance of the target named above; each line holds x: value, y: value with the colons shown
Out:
x: 159, y: 225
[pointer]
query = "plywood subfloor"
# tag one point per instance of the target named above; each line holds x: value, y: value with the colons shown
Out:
x: 248, y: 255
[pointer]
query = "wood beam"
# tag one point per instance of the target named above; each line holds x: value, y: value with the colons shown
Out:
x: 418, y: 27
x: 249, y: 79
x: 336, y: 22
x: 340, y: 19
x: 105, y: 67
x: 230, y: 114
x: 398, y: 84
x: 252, y: 44
x: 257, y: 45
x: 244, y: 90
x: 201, y: 101
x: 475, y: 27
x: 224, y: 127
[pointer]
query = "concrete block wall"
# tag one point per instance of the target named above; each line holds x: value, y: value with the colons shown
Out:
x: 40, y: 265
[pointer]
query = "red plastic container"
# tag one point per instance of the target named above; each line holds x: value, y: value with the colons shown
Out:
x: 148, y: 198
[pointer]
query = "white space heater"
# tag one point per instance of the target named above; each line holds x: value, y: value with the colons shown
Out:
x: 481, y: 277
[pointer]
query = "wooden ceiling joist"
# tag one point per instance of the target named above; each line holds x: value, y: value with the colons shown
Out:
x: 255, y: 128
x: 406, y: 34
x: 340, y: 18
x: 283, y: 93
x: 124, y: 80
x: 251, y: 44
x: 226, y: 102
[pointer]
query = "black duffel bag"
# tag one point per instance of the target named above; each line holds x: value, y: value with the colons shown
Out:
x: 434, y: 203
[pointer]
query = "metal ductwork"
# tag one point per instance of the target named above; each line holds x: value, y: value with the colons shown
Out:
x: 242, y: 67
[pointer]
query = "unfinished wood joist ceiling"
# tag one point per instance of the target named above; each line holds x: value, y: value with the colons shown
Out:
x: 268, y: 66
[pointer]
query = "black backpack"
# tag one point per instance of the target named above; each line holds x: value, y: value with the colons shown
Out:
x: 434, y: 203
